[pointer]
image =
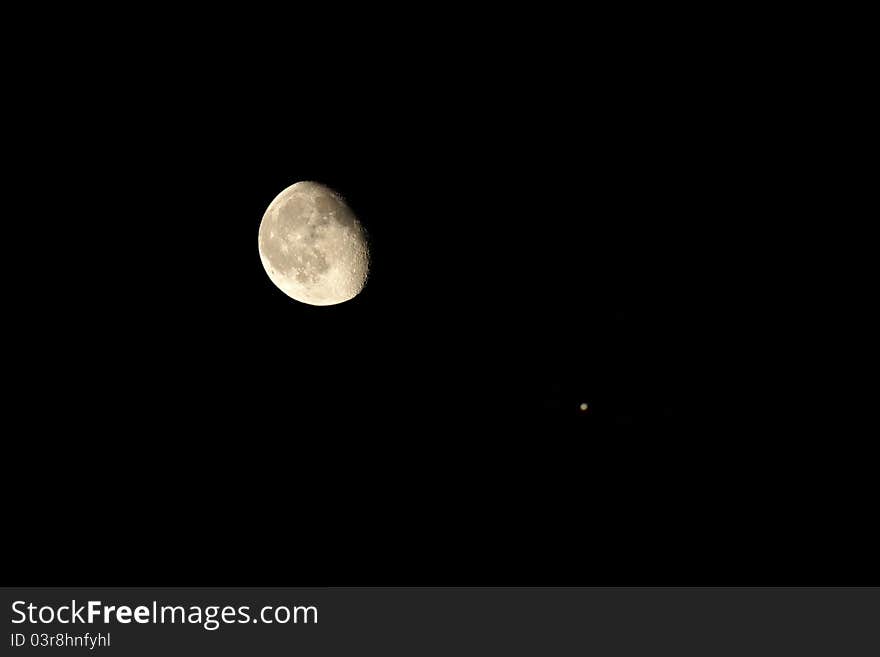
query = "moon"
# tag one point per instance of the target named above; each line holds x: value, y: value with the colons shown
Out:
x: 312, y: 245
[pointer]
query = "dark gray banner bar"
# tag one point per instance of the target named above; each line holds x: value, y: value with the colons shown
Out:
x: 442, y: 621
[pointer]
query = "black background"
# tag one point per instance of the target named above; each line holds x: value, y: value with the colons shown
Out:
x: 559, y: 212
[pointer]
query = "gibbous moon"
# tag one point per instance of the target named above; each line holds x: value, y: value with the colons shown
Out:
x: 312, y: 246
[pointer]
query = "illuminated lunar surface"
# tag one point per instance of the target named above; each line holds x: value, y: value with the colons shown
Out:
x: 312, y: 246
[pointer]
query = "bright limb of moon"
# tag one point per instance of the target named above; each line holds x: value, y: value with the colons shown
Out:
x: 312, y: 245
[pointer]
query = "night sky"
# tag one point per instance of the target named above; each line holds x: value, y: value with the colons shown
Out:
x: 550, y: 225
